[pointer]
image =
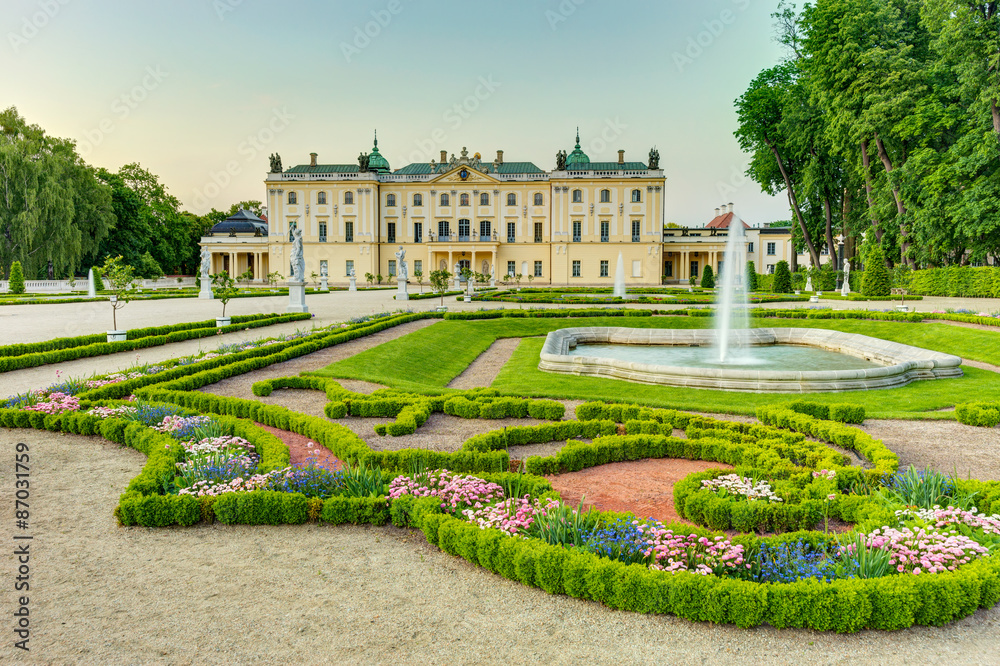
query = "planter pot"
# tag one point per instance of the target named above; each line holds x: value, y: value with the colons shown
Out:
x: 222, y: 321
x: 902, y: 308
x: 814, y: 298
x: 798, y: 292
x: 467, y: 299
x: 443, y: 308
x: 117, y: 336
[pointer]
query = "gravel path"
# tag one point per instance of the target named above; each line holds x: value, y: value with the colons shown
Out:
x: 487, y: 365
x: 102, y: 594
x: 947, y: 446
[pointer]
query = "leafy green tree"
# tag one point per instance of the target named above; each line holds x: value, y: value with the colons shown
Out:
x: 876, y: 281
x: 16, y: 278
x: 751, y: 276
x: 419, y: 275
x: 148, y: 268
x: 370, y: 278
x: 439, y: 282
x: 224, y: 288
x: 782, y: 278
x: 121, y: 283
x: 707, y: 278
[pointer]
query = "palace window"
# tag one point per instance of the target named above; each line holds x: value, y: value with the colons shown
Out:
x: 538, y: 269
x: 511, y: 268
x: 348, y: 197
x: 349, y: 266
x: 418, y: 200
x: 771, y: 248
x: 576, y: 268
x: 390, y: 235
x: 418, y: 266
x: 463, y: 199
x: 538, y: 232
x: 321, y: 198
x: 322, y: 232
x: 444, y: 232
x: 418, y: 232
x: 604, y: 268
x: 636, y: 196
x: 445, y: 201
x: 349, y: 232
x: 484, y: 199
x: 392, y: 267
x: 293, y: 198
x: 668, y: 268
x: 605, y: 196
x: 511, y: 231
x: 511, y: 199
x: 636, y: 228
x: 577, y: 196
x: 576, y: 231
x: 538, y: 198
x: 463, y: 229
x: 390, y: 200
x: 605, y: 231
x: 484, y: 229
x: 750, y: 247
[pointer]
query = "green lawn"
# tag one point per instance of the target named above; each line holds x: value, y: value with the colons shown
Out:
x: 428, y: 359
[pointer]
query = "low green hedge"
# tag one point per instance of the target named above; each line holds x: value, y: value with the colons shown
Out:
x: 981, y: 414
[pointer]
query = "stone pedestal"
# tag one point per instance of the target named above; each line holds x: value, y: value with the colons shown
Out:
x: 401, y: 293
x: 458, y: 281
x: 846, y: 290
x: 809, y: 283
x: 324, y: 283
x: 297, y: 297
x: 354, y: 284
x: 206, y: 288
x: 493, y: 282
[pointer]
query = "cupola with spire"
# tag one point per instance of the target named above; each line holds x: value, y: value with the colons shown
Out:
x: 577, y: 156
x: 376, y: 162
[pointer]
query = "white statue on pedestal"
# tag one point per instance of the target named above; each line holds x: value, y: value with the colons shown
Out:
x: 298, y: 262
x: 401, y: 271
x: 206, y: 263
x: 847, y: 284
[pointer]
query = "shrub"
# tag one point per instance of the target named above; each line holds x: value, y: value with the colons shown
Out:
x: 782, y: 278
x: 16, y: 278
x: 876, y: 282
x: 751, y: 276
x: 98, y: 282
x: 707, y: 278
x: 982, y: 414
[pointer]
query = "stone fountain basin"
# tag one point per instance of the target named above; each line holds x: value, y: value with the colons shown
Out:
x: 900, y: 364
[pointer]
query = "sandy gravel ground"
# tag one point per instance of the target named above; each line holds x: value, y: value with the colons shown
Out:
x: 103, y: 594
x: 947, y: 446
x: 487, y: 366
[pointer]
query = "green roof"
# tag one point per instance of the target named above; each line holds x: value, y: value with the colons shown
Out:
x: 324, y: 168
x: 424, y: 168
x: 577, y: 156
x: 607, y: 166
x: 376, y: 162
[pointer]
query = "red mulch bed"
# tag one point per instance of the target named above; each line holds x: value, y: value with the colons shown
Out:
x: 299, y: 452
x: 644, y: 487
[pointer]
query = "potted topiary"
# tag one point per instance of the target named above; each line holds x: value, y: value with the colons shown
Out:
x: 439, y: 282
x: 224, y: 288
x: 120, y: 279
x: 16, y: 284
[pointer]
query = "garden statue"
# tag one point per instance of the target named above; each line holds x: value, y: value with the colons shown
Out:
x: 206, y: 263
x: 298, y: 262
x: 275, y: 163
x: 401, y: 272
x: 847, y: 282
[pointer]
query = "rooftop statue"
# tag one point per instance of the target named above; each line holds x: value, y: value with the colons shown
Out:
x: 654, y: 159
x: 275, y: 163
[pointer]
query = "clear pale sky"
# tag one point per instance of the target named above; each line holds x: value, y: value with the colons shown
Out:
x: 200, y: 92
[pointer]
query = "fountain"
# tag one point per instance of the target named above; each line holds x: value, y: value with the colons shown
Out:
x: 732, y: 319
x: 620, y: 278
x: 91, y: 285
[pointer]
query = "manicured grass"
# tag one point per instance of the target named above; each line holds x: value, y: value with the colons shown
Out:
x: 521, y: 376
x: 431, y: 357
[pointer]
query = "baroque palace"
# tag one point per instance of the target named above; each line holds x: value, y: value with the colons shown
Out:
x: 562, y: 227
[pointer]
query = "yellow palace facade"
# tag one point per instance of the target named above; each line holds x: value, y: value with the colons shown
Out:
x: 562, y: 227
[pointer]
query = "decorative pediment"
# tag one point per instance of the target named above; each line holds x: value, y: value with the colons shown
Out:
x: 465, y: 174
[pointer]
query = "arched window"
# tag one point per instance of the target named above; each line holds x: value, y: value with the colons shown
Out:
x: 321, y: 198
x: 292, y: 198
x: 636, y: 196
x: 511, y: 199
x: 463, y: 199
x: 418, y: 200
x: 538, y: 198
x: 348, y: 197
x: 390, y: 200
x: 484, y: 199
x: 577, y: 196
x: 444, y: 200
x: 605, y: 196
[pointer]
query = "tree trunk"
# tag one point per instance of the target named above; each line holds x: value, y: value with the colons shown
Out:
x: 996, y: 118
x: 814, y: 257
x: 866, y: 162
x: 828, y: 214
x: 904, y: 243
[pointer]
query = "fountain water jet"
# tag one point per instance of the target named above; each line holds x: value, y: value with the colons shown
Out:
x: 732, y: 320
x: 620, y: 278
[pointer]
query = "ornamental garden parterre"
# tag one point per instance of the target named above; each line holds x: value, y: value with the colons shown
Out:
x: 817, y: 526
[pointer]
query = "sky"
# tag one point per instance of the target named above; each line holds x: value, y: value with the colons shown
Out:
x: 201, y: 92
